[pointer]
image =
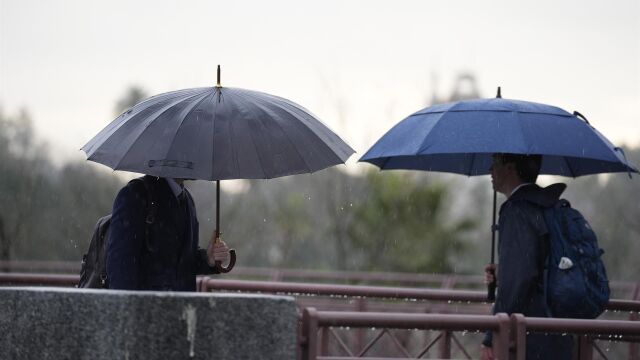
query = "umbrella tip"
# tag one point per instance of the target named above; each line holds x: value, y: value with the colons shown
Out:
x: 499, y: 94
x: 218, y: 84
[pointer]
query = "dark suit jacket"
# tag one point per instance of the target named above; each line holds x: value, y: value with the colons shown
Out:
x: 161, y: 256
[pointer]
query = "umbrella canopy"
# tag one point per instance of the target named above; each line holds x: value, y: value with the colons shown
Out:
x: 460, y: 137
x: 217, y: 133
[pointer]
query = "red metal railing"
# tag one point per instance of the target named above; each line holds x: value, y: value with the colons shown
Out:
x: 313, y: 320
x: 391, y: 299
x: 509, y: 333
x: 620, y: 289
x: 38, y: 279
x: 626, y: 331
x: 291, y: 288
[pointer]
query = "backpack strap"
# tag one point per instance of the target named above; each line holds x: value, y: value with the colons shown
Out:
x: 152, y: 208
x: 551, y: 214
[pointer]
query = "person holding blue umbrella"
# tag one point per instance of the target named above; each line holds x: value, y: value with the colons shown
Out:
x: 503, y: 137
x: 522, y: 254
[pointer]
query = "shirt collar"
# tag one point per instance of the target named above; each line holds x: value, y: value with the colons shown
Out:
x: 175, y: 187
x: 518, y: 187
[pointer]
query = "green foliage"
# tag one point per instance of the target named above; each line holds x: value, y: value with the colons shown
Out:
x: 404, y: 226
x: 46, y: 212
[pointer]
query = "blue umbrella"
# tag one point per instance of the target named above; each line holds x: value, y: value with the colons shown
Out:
x: 217, y: 133
x: 460, y: 137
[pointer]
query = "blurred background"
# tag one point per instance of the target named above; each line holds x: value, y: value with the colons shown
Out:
x: 67, y: 68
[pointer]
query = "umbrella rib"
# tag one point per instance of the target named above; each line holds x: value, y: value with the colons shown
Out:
x: 255, y: 146
x: 385, y: 162
x: 206, y: 94
x: 114, y: 125
x: 148, y: 125
x: 291, y: 108
x: 259, y: 105
x: 263, y: 108
x: 422, y: 144
x: 473, y: 160
x: 330, y: 133
x: 571, y: 171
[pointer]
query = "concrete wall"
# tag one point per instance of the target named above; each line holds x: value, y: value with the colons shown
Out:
x: 55, y: 323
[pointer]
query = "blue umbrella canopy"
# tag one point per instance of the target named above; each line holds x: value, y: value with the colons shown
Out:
x: 217, y: 133
x: 460, y: 137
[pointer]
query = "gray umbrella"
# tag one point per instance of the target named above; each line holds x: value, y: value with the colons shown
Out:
x: 217, y: 133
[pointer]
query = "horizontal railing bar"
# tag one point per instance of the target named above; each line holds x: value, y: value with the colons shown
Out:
x: 39, y: 279
x: 361, y: 358
x: 348, y: 290
x: 407, y: 321
x: 623, y: 305
x: 376, y: 292
x: 457, y: 279
x: 583, y: 327
x: 381, y: 292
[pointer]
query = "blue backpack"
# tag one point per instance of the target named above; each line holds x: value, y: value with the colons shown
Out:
x: 576, y: 284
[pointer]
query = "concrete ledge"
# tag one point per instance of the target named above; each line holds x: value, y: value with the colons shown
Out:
x: 55, y: 323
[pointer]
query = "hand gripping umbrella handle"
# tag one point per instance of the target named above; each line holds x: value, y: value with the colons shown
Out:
x: 232, y: 263
x: 491, y: 287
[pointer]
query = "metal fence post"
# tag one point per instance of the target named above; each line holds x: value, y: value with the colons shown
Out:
x: 445, y: 345
x: 519, y: 335
x: 309, y: 339
x: 202, y: 284
x: 633, y: 316
x: 361, y: 306
x: 501, y: 337
x: 585, y: 347
x: 324, y: 341
x: 633, y: 346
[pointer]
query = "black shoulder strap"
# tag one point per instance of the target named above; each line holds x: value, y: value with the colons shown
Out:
x: 152, y: 209
x: 152, y: 206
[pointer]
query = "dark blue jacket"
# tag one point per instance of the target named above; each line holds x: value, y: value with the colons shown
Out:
x: 163, y: 255
x: 522, y: 251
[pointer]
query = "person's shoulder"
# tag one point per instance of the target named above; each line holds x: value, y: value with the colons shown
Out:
x: 540, y: 196
x: 137, y: 188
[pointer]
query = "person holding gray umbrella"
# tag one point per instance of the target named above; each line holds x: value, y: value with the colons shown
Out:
x: 210, y: 133
x: 153, y: 238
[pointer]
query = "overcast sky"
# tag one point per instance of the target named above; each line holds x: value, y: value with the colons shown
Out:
x: 360, y: 66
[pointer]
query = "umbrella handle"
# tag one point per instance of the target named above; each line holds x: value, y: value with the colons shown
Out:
x: 232, y: 263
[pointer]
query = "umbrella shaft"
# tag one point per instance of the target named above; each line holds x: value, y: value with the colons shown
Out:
x: 217, y: 209
x: 493, y: 229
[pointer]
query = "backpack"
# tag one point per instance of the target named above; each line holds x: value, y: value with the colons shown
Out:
x: 576, y: 284
x: 93, y: 272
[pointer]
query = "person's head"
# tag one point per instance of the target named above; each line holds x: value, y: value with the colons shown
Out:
x: 510, y: 170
